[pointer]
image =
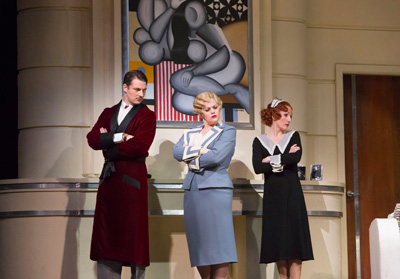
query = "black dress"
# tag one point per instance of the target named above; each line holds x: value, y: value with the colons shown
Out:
x: 285, y: 229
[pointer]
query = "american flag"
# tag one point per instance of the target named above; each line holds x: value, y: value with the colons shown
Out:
x: 164, y: 92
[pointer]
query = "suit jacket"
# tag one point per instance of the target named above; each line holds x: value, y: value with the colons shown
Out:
x: 120, y: 229
x: 210, y: 169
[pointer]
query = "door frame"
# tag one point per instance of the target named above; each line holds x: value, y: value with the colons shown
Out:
x: 357, y: 69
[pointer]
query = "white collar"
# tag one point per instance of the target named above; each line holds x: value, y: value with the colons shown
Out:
x: 270, y: 145
x: 123, y: 104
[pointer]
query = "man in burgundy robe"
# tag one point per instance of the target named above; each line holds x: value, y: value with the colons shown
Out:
x: 124, y: 133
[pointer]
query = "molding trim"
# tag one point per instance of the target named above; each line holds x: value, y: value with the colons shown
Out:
x: 55, y: 8
x: 90, y: 213
x: 152, y: 186
x: 354, y: 28
x: 289, y: 19
x: 291, y: 76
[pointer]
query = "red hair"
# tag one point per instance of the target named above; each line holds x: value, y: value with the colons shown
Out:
x: 269, y: 114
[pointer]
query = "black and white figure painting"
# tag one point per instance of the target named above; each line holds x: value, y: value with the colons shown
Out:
x: 301, y: 172
x: 192, y: 46
x: 316, y: 172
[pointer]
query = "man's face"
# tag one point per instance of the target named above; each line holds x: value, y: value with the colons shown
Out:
x: 135, y: 92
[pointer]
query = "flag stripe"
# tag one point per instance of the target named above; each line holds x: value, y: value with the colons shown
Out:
x: 164, y: 92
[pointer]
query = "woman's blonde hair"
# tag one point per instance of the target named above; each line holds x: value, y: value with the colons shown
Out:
x: 202, y: 98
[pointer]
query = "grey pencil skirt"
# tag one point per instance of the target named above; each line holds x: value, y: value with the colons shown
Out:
x: 209, y: 226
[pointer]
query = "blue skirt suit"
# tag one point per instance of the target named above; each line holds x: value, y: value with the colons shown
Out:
x: 208, y: 194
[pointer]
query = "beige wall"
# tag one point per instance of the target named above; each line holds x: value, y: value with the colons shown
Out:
x: 296, y: 48
x: 70, y: 57
x: 359, y: 37
x: 364, y: 33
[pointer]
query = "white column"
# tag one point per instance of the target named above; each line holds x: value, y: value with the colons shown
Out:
x: 54, y: 86
x: 289, y: 38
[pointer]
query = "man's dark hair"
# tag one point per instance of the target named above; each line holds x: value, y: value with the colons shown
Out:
x: 134, y: 74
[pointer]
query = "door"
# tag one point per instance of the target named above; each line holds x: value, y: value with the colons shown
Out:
x: 372, y: 158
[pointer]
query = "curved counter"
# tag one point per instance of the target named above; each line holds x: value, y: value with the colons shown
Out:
x: 28, y: 206
x: 50, y: 221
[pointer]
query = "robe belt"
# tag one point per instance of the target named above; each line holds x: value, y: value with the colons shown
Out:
x: 109, y: 167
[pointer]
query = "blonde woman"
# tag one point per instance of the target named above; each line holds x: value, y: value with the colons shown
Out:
x: 207, y: 149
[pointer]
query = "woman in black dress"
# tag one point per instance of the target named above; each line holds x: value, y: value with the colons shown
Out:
x: 285, y: 231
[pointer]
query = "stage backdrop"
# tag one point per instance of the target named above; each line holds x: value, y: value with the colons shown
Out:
x: 186, y: 47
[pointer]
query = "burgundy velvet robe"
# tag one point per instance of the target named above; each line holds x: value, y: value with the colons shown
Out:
x: 120, y: 229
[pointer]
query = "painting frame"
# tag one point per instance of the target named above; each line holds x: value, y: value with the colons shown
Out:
x: 233, y: 113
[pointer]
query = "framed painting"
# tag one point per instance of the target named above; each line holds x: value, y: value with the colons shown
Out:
x: 186, y: 47
x: 316, y: 172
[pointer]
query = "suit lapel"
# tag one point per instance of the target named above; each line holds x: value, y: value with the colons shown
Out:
x: 128, y: 118
x: 206, y: 141
x: 210, y: 136
x: 114, y: 119
x: 190, y: 135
